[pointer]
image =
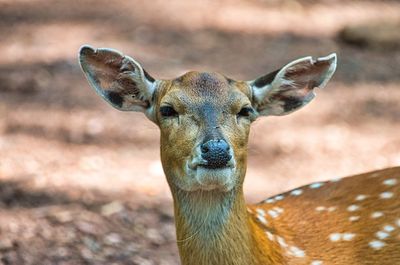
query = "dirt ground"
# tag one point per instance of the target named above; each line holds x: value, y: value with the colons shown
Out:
x: 81, y: 183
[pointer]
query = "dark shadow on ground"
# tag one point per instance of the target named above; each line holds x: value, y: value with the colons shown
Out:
x: 18, y: 194
x: 52, y: 227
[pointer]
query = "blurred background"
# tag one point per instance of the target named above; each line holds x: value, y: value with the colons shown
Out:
x: 81, y: 183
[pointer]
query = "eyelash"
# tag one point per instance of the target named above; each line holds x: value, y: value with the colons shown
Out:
x: 168, y: 112
x: 245, y: 112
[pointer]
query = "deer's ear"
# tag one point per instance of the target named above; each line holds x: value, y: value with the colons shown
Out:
x: 118, y: 79
x: 290, y: 88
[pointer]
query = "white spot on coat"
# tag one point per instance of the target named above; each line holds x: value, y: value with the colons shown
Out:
x: 398, y: 222
x: 390, y: 182
x: 381, y: 234
x: 296, y: 192
x: 316, y: 185
x: 354, y: 218
x: 376, y: 244
x: 320, y: 208
x: 270, y: 236
x: 282, y: 242
x: 273, y: 213
x: 279, y: 197
x: 262, y: 219
x: 386, y: 195
x: 335, y: 237
x: 376, y: 215
x: 361, y: 197
x: 260, y: 211
x: 335, y: 179
x: 331, y: 209
x: 297, y: 252
x: 388, y: 228
x: 261, y: 216
x: 271, y: 200
x: 353, y: 208
x: 316, y: 262
x: 348, y: 236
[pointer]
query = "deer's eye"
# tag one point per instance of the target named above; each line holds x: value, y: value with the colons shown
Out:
x: 168, y: 111
x: 245, y: 112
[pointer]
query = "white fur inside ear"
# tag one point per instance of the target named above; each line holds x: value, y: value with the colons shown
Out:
x: 260, y: 93
x: 332, y: 58
x: 148, y: 86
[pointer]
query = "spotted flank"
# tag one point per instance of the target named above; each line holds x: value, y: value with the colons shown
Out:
x: 354, y: 212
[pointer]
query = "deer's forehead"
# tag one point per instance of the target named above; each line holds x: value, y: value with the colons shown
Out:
x: 198, y: 88
x: 203, y: 84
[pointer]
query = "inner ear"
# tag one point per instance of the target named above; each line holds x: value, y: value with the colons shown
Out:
x: 291, y: 87
x: 118, y: 78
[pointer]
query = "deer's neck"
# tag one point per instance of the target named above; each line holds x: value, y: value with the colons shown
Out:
x: 213, y: 228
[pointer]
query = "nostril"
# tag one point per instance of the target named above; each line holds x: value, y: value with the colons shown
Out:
x: 204, y: 148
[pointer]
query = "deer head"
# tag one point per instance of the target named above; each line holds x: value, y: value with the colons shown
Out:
x: 204, y: 118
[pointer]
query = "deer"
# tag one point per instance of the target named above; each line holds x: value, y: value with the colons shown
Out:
x: 204, y: 120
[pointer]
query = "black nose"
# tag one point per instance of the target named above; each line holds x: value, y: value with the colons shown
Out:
x: 216, y: 153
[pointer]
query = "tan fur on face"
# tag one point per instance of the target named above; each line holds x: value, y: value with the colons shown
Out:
x: 207, y: 104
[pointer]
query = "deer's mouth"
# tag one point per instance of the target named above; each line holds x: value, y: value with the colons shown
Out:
x: 199, y: 162
x: 212, y: 178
